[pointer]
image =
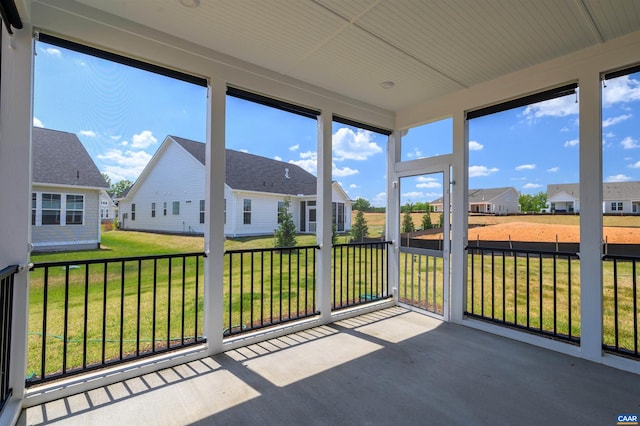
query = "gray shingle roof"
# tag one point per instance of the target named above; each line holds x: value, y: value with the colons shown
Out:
x: 249, y: 172
x: 59, y: 158
x: 613, y: 191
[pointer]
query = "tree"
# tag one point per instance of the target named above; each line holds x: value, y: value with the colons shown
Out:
x: 426, y: 221
x: 119, y: 188
x: 286, y: 232
x: 359, y: 230
x: 407, y: 222
x: 361, y: 205
x: 532, y: 203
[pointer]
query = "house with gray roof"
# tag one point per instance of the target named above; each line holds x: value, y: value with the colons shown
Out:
x: 66, y: 186
x: 617, y: 197
x: 168, y: 196
x: 489, y: 201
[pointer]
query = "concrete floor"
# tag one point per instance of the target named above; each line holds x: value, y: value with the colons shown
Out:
x: 391, y: 367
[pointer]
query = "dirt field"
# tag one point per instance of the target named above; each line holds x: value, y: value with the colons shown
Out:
x: 539, y: 232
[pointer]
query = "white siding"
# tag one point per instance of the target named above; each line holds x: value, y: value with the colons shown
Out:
x: 176, y: 177
x: 67, y: 237
x: 505, y: 203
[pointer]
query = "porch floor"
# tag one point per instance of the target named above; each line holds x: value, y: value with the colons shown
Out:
x: 392, y: 366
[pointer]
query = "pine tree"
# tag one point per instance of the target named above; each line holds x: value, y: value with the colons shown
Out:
x: 359, y: 230
x: 407, y: 222
x: 286, y: 232
x: 426, y: 221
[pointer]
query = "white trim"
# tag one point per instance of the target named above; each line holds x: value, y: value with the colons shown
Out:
x: 64, y: 243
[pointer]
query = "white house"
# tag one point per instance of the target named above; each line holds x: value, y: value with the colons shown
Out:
x: 108, y: 207
x: 169, y: 194
x: 617, y: 197
x: 491, y: 201
x: 65, y: 193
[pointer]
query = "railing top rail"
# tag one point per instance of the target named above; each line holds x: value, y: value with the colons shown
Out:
x: 524, y: 251
x: 262, y: 250
x: 8, y: 271
x: 620, y: 257
x: 114, y: 259
x: 422, y: 251
x: 371, y: 243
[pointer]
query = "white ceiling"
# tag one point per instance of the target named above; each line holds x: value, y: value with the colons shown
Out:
x: 426, y: 47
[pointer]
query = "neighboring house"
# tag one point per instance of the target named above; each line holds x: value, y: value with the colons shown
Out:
x: 491, y: 201
x: 66, y: 186
x: 108, y: 207
x: 617, y: 197
x: 169, y: 194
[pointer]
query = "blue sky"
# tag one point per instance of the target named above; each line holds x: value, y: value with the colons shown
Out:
x: 122, y: 115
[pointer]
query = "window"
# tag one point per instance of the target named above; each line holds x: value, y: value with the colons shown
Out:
x: 247, y: 212
x: 51, y: 209
x: 106, y: 213
x: 34, y: 198
x: 153, y: 209
x: 75, y: 209
x: 281, y: 211
x: 133, y: 211
x: 616, y: 206
x: 201, y: 211
x: 164, y: 209
x: 176, y: 208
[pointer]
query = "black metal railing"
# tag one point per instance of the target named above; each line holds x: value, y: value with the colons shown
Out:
x: 360, y: 273
x: 620, y: 305
x: 6, y: 314
x: 88, y: 314
x: 265, y: 287
x: 421, y: 279
x: 537, y: 291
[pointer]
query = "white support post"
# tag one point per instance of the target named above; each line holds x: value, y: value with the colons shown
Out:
x: 15, y: 194
x: 392, y: 231
x: 590, y: 217
x: 323, y: 207
x: 214, y: 216
x: 459, y: 213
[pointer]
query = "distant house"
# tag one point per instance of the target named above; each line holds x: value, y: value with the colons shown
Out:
x: 169, y: 194
x: 489, y: 201
x: 66, y: 186
x: 618, y: 197
x: 108, y: 207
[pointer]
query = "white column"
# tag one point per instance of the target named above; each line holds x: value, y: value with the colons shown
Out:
x: 214, y: 216
x: 323, y: 209
x: 590, y: 217
x: 15, y: 192
x: 459, y: 209
x: 392, y: 231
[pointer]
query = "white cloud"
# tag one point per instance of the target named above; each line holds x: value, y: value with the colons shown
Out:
x: 342, y: 172
x: 477, y: 171
x: 350, y: 145
x: 475, y: 146
x: 37, y: 123
x: 615, y: 120
x: 115, y: 138
x: 89, y: 133
x: 379, y: 200
x: 609, y: 135
x: 353, y: 186
x: 621, y: 89
x: 294, y: 147
x: 525, y: 167
x: 415, y: 153
x: 553, y: 169
x: 635, y: 165
x: 128, y: 164
x: 52, y: 51
x: 277, y: 158
x: 143, y: 140
x: 564, y: 129
x: 426, y: 182
x: 244, y: 150
x: 558, y: 107
x: 414, y: 195
x: 531, y: 186
x: 629, y: 143
x: 618, y: 178
x: 124, y: 143
x: 572, y: 142
x: 309, y: 162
